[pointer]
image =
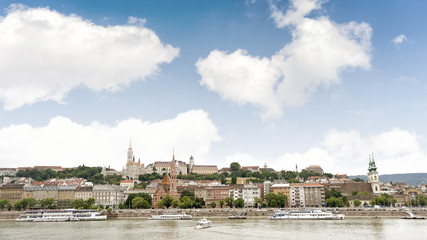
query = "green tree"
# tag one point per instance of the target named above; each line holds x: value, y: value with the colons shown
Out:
x: 213, y: 204
x: 78, y: 203
x: 229, y: 201
x: 288, y: 175
x: 4, y: 203
x: 109, y: 210
x: 175, y: 203
x: 199, y: 202
x: 167, y: 201
x: 328, y: 175
x: 221, y: 203
x: 19, y: 205
x: 332, y: 193
x: 281, y: 200
x: 257, y: 202
x: 239, y: 203
x: 270, y: 199
x: 357, y: 202
x: 188, y: 193
x: 89, y: 203
x: 354, y: 193
x: 186, y: 202
x: 335, y: 202
x: 235, y: 166
x: 234, y: 179
x: 47, y: 202
x: 137, y: 202
x: 358, y: 180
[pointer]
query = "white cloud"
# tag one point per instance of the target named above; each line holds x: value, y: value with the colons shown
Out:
x: 137, y: 21
x: 395, y: 151
x: 66, y: 143
x: 319, y: 51
x: 399, y: 40
x: 45, y: 54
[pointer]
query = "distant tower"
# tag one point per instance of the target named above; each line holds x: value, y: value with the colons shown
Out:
x: 173, y: 192
x: 191, y: 165
x: 296, y: 169
x: 130, y: 152
x: 373, y: 178
x: 265, y: 165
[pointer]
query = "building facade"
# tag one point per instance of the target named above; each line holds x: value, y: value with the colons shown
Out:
x: 83, y: 193
x: 250, y: 192
x: 12, y: 192
x: 108, y: 195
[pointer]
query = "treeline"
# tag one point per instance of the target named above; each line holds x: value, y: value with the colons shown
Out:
x: 92, y: 174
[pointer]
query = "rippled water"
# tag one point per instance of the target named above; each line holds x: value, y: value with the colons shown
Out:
x: 223, y: 229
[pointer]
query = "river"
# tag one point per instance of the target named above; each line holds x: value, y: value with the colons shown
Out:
x: 222, y: 229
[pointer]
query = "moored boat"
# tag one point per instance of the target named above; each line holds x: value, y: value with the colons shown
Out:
x: 60, y: 216
x: 180, y: 216
x: 203, y: 223
x: 312, y: 214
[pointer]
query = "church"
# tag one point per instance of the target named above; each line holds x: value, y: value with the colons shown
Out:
x: 133, y: 168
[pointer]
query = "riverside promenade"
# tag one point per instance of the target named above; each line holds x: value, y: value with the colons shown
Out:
x: 264, y: 212
x: 249, y: 212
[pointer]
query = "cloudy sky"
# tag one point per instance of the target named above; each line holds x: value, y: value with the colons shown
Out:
x: 285, y: 83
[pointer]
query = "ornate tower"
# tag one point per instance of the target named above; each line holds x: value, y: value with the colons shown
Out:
x: 173, y: 192
x: 190, y: 167
x: 130, y: 153
x: 373, y: 175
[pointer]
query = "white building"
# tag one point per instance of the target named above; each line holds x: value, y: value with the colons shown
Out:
x: 111, y: 195
x: 250, y: 192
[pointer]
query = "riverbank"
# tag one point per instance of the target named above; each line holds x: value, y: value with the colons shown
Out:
x: 249, y: 212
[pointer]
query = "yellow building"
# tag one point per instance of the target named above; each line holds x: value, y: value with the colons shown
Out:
x: 12, y: 192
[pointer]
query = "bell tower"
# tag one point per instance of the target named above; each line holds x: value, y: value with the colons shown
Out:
x: 130, y: 152
x: 373, y: 178
x: 173, y: 192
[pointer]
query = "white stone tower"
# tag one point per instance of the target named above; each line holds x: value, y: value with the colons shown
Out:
x: 130, y: 153
x: 191, y: 165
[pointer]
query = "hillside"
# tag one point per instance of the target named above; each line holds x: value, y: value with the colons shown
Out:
x: 409, y: 178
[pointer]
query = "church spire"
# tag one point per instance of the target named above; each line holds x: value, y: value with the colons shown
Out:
x: 173, y: 191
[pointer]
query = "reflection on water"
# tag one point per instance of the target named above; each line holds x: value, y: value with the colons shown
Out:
x: 222, y: 229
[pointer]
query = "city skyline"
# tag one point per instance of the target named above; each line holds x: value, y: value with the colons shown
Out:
x: 278, y: 82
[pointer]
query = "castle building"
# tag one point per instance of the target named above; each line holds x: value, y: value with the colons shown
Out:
x: 373, y: 178
x: 133, y: 169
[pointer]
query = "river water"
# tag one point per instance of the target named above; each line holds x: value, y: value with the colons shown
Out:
x: 222, y: 229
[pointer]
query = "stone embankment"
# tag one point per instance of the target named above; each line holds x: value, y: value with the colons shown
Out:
x: 260, y: 213
x: 249, y: 212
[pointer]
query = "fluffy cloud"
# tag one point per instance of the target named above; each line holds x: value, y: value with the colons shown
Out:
x: 396, y: 151
x: 64, y: 142
x: 399, y: 40
x: 45, y: 54
x: 319, y: 51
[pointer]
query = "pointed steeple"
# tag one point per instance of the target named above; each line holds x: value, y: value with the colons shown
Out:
x: 372, y: 166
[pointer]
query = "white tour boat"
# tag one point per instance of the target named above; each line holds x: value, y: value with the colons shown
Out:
x: 203, y: 223
x: 179, y: 216
x: 60, y: 216
x: 313, y: 214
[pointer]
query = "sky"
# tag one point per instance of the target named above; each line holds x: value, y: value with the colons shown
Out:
x: 281, y: 83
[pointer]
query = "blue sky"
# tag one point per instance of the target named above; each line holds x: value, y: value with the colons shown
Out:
x: 277, y: 82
